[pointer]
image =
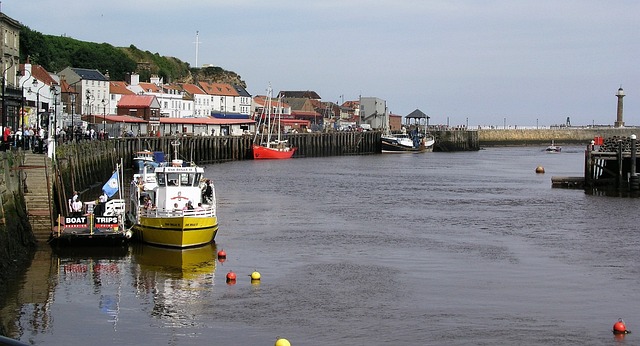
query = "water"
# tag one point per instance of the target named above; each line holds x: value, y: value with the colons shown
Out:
x: 469, y: 248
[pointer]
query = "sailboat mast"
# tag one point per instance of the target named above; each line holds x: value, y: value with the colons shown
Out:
x: 269, y: 93
x: 279, y: 104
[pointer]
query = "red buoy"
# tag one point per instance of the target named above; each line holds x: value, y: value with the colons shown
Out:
x: 619, y: 327
x: 231, y: 276
x: 222, y: 254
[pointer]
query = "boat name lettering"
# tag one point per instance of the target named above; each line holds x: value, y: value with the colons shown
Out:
x: 178, y: 169
x: 75, y: 220
x: 106, y: 219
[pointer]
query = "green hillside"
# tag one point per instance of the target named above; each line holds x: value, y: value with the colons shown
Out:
x: 55, y: 53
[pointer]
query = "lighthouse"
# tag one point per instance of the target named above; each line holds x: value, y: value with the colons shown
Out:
x: 619, y: 95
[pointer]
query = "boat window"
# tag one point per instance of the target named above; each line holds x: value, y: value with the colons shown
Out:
x: 196, y: 181
x: 185, y: 179
x: 161, y: 180
x: 173, y: 179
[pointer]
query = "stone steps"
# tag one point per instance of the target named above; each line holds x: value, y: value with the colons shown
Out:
x: 37, y: 198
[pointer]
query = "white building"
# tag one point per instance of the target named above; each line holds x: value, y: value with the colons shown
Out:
x: 374, y: 111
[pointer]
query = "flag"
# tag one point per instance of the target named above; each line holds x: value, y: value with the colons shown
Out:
x: 111, y: 186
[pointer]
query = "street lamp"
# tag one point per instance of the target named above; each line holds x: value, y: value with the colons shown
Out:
x: 22, y: 107
x: 89, y: 99
x: 53, y: 132
x: 40, y: 134
x: 104, y: 117
x: 73, y: 115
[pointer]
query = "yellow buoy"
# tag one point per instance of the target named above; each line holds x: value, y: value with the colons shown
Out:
x: 282, y: 342
x: 539, y: 169
x: 255, y: 276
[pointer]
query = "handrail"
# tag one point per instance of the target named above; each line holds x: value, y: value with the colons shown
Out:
x: 206, y: 212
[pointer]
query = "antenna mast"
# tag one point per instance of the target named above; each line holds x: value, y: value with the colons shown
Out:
x: 197, y: 44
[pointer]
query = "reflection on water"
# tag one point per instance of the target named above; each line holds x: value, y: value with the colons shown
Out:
x: 173, y: 280
x: 196, y: 263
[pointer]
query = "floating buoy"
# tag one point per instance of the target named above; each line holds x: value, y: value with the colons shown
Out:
x: 539, y: 169
x: 282, y: 342
x: 255, y: 276
x: 620, y: 328
x: 222, y: 254
x: 231, y: 276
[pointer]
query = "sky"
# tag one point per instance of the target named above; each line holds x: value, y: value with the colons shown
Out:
x: 462, y: 62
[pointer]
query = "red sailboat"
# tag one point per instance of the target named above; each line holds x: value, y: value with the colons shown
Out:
x: 264, y: 145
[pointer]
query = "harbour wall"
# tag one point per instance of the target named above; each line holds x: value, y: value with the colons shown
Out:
x: 568, y: 135
x: 17, y: 243
x: 86, y: 163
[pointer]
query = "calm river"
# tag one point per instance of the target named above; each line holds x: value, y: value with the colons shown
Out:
x: 469, y: 248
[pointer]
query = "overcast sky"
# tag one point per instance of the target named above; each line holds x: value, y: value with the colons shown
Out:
x: 478, y: 61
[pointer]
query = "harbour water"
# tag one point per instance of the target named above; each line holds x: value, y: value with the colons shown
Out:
x: 467, y: 248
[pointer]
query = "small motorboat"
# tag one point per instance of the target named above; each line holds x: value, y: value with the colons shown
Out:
x: 553, y: 148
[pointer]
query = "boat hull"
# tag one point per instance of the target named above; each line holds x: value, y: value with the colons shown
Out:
x: 264, y: 153
x: 179, y: 231
x: 391, y: 147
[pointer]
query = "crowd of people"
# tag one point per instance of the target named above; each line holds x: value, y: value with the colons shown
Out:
x: 35, y: 138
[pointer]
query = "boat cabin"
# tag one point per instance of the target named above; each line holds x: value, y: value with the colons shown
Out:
x: 176, y: 187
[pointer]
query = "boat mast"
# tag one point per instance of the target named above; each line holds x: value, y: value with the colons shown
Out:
x: 268, y: 106
x: 279, y: 112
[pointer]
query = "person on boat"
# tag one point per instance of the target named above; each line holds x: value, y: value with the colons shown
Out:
x: 147, y: 203
x: 207, y: 192
x: 73, y: 199
x: 76, y: 207
x: 103, y: 197
x: 199, y: 207
x: 176, y: 209
x: 100, y: 206
x: 188, y: 206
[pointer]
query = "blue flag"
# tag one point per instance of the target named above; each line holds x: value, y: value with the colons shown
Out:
x: 111, y: 186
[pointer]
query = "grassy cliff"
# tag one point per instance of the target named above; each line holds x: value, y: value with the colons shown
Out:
x: 55, y: 53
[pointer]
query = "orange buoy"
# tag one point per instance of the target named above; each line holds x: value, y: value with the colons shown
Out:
x: 539, y: 169
x: 222, y: 254
x: 231, y: 276
x: 619, y: 327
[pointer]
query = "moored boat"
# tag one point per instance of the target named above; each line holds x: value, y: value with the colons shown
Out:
x: 279, y: 150
x: 91, y: 223
x: 403, y: 142
x: 267, y: 143
x: 168, y: 207
x: 146, y: 157
x: 553, y: 148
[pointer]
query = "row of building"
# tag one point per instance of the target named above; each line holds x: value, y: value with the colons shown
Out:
x: 79, y: 97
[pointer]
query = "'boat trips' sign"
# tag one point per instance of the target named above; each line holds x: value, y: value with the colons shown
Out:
x: 75, y: 222
x: 106, y: 221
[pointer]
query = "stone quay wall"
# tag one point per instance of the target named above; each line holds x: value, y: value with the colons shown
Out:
x: 17, y: 243
x: 568, y: 135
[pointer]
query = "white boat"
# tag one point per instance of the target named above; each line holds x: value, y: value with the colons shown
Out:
x: 147, y: 157
x: 167, y: 206
x: 404, y: 142
x: 553, y: 148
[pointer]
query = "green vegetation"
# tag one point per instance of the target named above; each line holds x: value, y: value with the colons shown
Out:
x: 55, y: 53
